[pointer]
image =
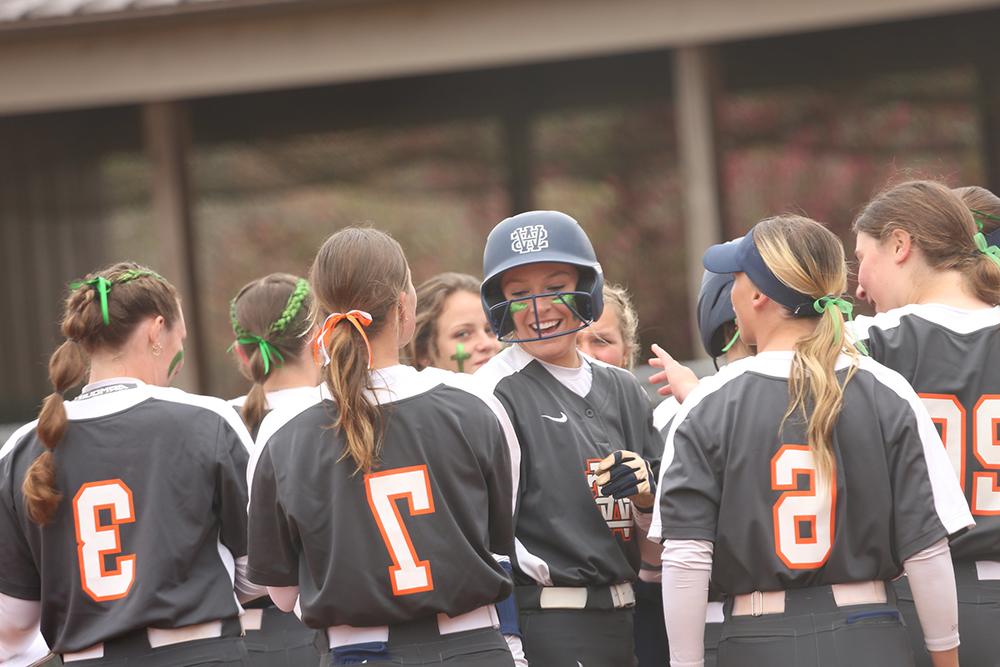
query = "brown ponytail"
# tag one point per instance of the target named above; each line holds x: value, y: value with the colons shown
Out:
x: 135, y: 294
x: 274, y: 309
x: 363, y: 269
x: 941, y: 226
x: 807, y: 257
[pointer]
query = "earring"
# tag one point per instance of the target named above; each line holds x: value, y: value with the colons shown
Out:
x: 157, y: 349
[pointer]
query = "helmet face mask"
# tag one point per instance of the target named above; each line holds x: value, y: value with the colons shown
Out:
x: 503, y: 314
x: 539, y: 237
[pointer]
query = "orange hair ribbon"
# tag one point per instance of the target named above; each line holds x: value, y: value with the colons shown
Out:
x: 359, y: 318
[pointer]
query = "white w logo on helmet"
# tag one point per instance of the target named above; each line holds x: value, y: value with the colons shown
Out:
x: 530, y: 238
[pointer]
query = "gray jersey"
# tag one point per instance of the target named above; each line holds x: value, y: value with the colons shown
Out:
x: 413, y: 537
x: 153, y: 514
x: 776, y: 524
x: 566, y: 533
x: 952, y: 359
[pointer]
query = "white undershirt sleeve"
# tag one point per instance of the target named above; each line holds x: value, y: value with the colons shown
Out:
x: 687, y: 568
x: 932, y: 581
x: 19, y: 625
x: 246, y: 590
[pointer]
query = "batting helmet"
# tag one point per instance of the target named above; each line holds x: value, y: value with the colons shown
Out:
x: 715, y: 308
x: 532, y: 238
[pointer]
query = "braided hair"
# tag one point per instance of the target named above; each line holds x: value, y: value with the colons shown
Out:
x: 270, y: 318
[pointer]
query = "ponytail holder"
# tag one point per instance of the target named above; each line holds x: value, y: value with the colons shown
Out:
x: 102, y: 286
x: 268, y: 352
x: 359, y: 318
x: 984, y: 247
x: 825, y: 303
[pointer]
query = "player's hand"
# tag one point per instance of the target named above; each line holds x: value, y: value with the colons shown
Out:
x: 625, y: 474
x: 679, y: 379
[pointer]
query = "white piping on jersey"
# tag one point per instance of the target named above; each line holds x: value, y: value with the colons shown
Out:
x: 704, y: 388
x: 280, y: 398
x: 16, y: 437
x: 957, y: 320
x: 665, y: 411
x: 514, y: 359
x: 272, y: 422
x: 111, y: 403
x: 532, y: 565
x: 391, y: 384
x: 504, y: 364
x: 949, y: 501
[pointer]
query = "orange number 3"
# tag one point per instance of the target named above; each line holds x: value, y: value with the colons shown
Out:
x: 407, y: 574
x: 96, y: 541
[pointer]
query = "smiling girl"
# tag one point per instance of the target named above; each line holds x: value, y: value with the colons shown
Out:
x: 452, y: 332
x: 587, y: 440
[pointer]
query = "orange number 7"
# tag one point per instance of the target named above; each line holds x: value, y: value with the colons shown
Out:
x: 407, y: 574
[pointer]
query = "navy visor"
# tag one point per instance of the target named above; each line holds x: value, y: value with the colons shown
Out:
x: 742, y: 256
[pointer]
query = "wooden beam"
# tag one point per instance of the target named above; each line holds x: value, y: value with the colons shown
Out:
x: 167, y: 141
x: 694, y: 97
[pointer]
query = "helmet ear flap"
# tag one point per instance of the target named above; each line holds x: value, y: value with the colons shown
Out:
x: 591, y: 282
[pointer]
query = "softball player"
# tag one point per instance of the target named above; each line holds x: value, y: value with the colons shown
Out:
x: 272, y: 326
x: 614, y: 338
x: 936, y: 282
x: 588, y: 445
x: 720, y: 337
x: 376, y: 507
x: 451, y: 332
x: 803, y: 479
x: 123, y: 511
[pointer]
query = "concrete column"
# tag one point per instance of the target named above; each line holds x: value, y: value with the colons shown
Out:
x: 167, y: 140
x: 694, y: 97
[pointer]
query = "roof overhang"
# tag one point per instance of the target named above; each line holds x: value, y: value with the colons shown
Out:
x: 60, y: 63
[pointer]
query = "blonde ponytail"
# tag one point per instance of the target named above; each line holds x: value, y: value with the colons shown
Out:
x: 808, y: 258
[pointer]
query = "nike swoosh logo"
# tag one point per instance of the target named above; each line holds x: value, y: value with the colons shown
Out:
x: 561, y: 419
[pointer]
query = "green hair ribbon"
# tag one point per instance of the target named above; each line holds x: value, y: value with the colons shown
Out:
x: 268, y: 352
x: 979, y: 216
x: 102, y: 286
x: 984, y: 247
x: 824, y: 303
x: 292, y: 307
